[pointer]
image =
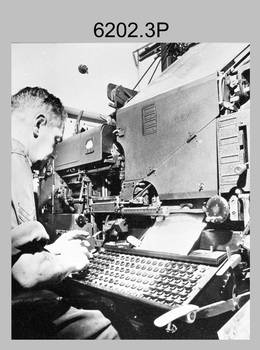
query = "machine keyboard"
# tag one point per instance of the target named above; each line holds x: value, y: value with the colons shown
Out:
x: 159, y: 281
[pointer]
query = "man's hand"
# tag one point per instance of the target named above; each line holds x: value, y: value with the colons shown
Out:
x: 75, y: 234
x: 71, y: 236
x: 72, y: 245
x: 76, y: 254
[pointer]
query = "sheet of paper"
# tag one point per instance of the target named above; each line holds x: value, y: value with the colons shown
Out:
x: 175, y: 234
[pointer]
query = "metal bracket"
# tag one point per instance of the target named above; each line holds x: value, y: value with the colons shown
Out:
x: 119, y: 132
x: 171, y: 328
x: 176, y: 313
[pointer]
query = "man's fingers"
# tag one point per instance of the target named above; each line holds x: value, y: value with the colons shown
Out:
x: 87, y: 252
x: 83, y: 245
x: 80, y: 234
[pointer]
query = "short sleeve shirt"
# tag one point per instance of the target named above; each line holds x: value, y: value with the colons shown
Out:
x: 22, y: 195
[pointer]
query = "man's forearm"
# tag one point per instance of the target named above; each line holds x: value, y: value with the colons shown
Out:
x: 41, y: 269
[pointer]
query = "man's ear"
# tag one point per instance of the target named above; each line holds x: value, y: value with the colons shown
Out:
x: 40, y: 120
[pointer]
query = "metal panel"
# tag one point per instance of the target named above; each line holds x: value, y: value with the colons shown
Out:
x: 180, y: 166
x: 149, y: 119
x: 72, y: 151
x: 231, y: 149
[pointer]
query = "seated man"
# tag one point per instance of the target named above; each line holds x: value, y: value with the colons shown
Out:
x: 38, y: 120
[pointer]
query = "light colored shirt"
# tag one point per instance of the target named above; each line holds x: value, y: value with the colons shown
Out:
x: 24, y: 227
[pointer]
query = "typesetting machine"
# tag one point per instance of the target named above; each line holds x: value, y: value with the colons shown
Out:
x: 162, y: 186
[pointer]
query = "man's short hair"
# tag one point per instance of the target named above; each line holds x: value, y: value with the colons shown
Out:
x: 35, y: 97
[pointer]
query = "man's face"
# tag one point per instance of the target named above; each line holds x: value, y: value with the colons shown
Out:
x: 43, y: 146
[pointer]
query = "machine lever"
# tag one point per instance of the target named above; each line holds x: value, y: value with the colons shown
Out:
x: 190, y: 312
x: 133, y: 241
x: 232, y: 262
x: 187, y: 311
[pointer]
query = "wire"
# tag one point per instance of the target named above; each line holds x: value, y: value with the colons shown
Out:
x: 154, y: 71
x: 175, y: 151
x: 166, y: 48
x: 146, y: 72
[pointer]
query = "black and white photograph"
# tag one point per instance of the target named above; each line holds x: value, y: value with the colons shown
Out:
x: 130, y: 188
